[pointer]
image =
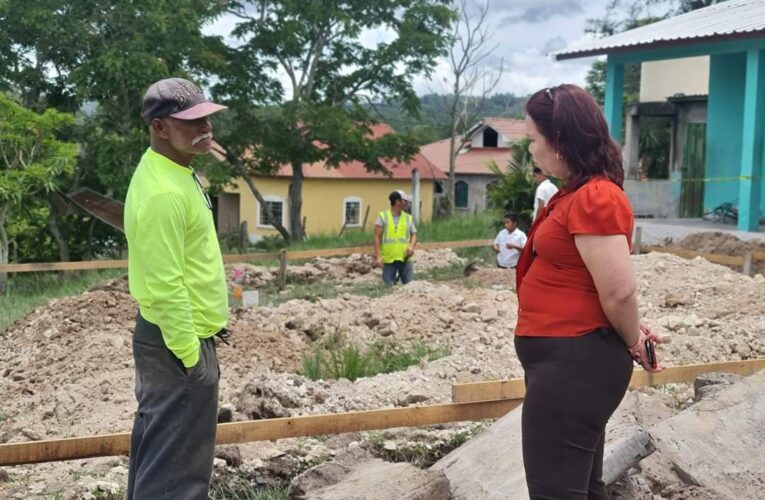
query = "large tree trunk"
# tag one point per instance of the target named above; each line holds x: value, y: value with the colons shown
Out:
x: 3, y: 248
x: 296, y: 202
x: 55, y: 231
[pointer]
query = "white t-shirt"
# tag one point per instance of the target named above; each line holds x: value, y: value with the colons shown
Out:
x: 545, y: 191
x: 508, y: 257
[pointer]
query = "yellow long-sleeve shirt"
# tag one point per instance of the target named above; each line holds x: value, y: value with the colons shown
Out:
x: 175, y: 268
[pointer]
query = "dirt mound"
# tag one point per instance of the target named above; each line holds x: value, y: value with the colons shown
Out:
x: 355, y: 268
x: 720, y: 243
x: 66, y: 369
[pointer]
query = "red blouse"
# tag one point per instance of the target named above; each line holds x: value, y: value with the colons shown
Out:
x: 556, y: 293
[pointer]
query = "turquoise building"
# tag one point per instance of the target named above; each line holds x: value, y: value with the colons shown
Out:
x: 732, y: 34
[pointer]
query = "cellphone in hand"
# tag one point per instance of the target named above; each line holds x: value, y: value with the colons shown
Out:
x: 650, y: 347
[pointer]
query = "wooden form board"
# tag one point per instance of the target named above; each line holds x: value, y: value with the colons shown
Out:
x: 264, y: 430
x: 228, y: 259
x: 475, y: 401
x: 514, y: 389
x: 728, y: 260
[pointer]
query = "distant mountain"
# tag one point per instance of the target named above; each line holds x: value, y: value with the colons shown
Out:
x: 433, y: 122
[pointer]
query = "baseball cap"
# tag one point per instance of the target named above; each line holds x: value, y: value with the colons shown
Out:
x: 399, y: 195
x: 177, y: 98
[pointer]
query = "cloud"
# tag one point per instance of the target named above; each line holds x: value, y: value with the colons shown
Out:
x: 554, y: 45
x: 536, y: 11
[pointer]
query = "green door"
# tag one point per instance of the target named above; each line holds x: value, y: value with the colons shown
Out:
x: 692, y: 192
x: 461, y: 194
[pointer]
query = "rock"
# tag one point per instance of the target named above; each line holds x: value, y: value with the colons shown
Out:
x: 710, y: 383
x: 488, y: 315
x: 445, y: 318
x: 31, y: 435
x: 117, y: 342
x: 676, y: 299
x: 219, y: 464
x: 412, y: 399
x: 742, y: 348
x: 356, y: 475
x: 231, y: 454
x: 4, y: 476
x: 390, y: 445
x: 225, y: 413
x: 471, y: 307
x: 390, y: 329
x: 673, y: 323
x: 713, y: 443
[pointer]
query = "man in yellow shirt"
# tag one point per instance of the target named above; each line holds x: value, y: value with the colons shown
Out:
x: 176, y: 275
x: 395, y: 241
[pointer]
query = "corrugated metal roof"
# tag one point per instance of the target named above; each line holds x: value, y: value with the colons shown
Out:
x: 727, y: 20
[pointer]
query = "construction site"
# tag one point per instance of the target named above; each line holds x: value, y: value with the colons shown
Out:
x: 304, y: 354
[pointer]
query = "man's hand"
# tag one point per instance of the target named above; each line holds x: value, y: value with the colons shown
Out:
x: 410, y: 251
x: 378, y: 262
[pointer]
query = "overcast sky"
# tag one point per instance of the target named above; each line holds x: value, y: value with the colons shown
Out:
x: 524, y: 32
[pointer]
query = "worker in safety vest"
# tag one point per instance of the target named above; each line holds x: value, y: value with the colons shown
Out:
x: 395, y: 239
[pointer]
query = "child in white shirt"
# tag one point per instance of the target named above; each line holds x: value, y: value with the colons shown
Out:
x: 509, y: 242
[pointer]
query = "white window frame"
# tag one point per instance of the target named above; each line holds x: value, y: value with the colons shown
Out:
x: 272, y: 198
x: 352, y: 199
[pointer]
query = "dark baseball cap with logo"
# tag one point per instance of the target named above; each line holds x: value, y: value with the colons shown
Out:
x: 176, y: 98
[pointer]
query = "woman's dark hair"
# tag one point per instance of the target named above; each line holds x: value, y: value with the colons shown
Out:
x: 573, y: 123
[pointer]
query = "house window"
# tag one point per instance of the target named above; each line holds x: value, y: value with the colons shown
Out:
x: 490, y: 138
x: 352, y: 212
x: 461, y: 194
x: 273, y: 205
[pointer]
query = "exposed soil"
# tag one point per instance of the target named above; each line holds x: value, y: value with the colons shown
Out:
x: 66, y: 369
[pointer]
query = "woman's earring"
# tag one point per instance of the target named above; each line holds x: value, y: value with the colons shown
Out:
x: 559, y: 156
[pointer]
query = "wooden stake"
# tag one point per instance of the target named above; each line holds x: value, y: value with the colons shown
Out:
x: 366, y: 217
x: 342, y: 230
x: 282, y: 269
x: 747, y: 268
x: 638, y: 240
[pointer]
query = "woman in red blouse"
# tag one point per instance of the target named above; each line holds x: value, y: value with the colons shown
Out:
x: 578, y: 326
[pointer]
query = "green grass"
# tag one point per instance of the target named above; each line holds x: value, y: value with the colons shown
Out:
x: 237, y: 487
x: 29, y: 290
x: 458, y: 228
x: 338, y: 359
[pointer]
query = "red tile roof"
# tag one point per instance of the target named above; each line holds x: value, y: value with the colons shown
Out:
x: 475, y: 161
x: 511, y: 128
x: 357, y: 170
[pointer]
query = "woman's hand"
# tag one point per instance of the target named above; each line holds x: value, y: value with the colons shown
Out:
x: 639, y: 352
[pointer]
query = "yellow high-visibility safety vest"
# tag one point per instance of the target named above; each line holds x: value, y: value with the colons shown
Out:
x: 395, y: 238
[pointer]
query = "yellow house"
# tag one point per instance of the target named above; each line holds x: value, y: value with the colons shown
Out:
x: 347, y: 195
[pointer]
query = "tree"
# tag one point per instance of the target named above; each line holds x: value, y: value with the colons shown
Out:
x: 514, y: 191
x: 316, y: 113
x: 472, y: 81
x: 32, y: 159
x: 95, y: 59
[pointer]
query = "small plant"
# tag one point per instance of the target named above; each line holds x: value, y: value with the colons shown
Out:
x: 338, y: 359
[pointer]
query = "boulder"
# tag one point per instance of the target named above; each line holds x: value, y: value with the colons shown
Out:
x: 356, y: 475
x: 716, y: 444
x: 490, y: 466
